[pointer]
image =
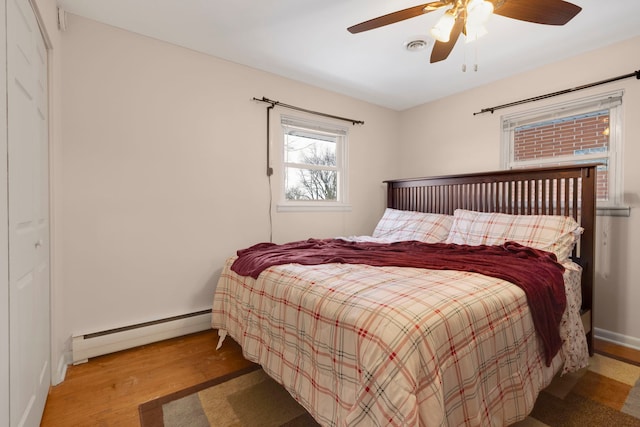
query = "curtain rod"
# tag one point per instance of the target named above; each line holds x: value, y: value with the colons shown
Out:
x: 635, y: 74
x: 292, y: 107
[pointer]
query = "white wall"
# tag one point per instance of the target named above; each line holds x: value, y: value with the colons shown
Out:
x: 161, y: 175
x: 445, y: 137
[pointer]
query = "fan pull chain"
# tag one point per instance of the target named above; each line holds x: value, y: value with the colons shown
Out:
x: 464, y: 60
x: 475, y: 60
x: 475, y: 51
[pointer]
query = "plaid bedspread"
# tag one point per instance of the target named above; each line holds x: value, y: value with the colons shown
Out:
x: 362, y: 345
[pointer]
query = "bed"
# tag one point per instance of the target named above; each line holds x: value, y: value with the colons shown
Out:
x: 366, y: 343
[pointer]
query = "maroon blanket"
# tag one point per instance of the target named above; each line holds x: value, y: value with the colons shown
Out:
x: 536, y: 272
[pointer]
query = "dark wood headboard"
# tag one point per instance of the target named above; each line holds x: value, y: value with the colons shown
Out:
x: 566, y: 190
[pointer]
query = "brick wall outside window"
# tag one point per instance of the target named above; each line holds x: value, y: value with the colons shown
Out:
x: 582, y: 134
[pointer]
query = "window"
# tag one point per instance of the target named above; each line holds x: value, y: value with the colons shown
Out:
x: 314, y: 165
x: 582, y: 131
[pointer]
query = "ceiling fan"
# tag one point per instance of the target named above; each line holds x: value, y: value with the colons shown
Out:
x: 468, y: 17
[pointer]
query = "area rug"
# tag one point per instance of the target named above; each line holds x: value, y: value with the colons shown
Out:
x: 246, y: 398
x: 607, y: 393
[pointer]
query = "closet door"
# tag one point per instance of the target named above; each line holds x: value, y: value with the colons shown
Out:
x: 29, y: 332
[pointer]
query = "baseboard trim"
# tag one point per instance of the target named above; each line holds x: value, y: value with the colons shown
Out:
x: 61, y: 371
x: 616, y: 338
x: 100, y: 343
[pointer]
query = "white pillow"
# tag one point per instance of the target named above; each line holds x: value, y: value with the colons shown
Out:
x: 551, y: 233
x: 396, y: 225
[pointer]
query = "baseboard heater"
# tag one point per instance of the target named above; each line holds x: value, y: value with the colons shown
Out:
x: 99, y: 343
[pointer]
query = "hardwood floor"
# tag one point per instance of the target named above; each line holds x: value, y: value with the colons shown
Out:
x: 107, y: 390
x: 614, y: 351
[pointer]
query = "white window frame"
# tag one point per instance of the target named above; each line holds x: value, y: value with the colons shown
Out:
x: 340, y: 133
x: 611, y: 101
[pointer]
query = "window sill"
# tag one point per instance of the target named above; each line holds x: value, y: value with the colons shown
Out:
x: 314, y: 207
x: 614, y: 211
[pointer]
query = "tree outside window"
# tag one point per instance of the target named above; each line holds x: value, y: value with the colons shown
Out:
x: 314, y: 166
x: 311, y: 169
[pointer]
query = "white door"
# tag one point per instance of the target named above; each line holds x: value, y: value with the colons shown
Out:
x: 28, y: 188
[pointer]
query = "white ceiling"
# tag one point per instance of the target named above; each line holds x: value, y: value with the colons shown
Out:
x: 308, y: 41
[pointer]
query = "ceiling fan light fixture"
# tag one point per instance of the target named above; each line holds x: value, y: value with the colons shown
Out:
x: 478, y: 12
x: 442, y: 30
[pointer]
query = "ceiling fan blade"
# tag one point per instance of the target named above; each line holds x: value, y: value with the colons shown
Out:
x: 398, y: 16
x: 550, y: 12
x: 442, y: 50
